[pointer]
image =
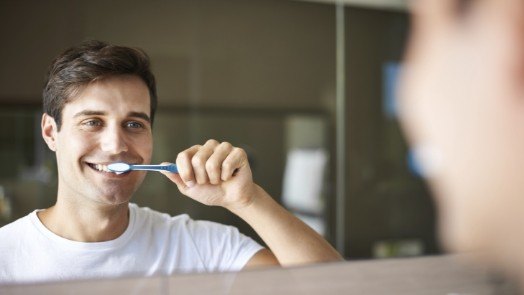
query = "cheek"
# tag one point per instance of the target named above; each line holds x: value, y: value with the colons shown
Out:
x: 144, y: 146
x: 480, y: 188
x: 457, y: 181
x: 74, y: 144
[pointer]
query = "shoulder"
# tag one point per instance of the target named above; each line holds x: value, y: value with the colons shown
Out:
x: 16, y: 227
x: 16, y: 233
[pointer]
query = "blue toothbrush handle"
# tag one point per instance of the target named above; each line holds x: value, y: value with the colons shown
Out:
x: 171, y: 168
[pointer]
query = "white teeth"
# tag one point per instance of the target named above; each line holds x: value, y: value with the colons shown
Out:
x: 101, y: 167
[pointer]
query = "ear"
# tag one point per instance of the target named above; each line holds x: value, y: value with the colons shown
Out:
x: 49, y: 131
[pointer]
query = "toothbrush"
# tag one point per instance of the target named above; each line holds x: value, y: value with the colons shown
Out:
x: 124, y: 167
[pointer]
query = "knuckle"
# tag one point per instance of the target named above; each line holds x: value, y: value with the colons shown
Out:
x: 227, y: 165
x: 226, y: 144
x: 240, y: 152
x: 210, y: 165
x: 211, y: 142
x: 197, y: 160
x: 182, y: 156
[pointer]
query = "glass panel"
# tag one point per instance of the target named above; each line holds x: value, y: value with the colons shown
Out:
x: 264, y: 134
x: 258, y: 74
x: 388, y: 209
x: 27, y: 173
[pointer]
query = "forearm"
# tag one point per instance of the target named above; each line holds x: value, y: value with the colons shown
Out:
x: 290, y: 240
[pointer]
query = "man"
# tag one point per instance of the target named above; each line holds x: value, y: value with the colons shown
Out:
x: 99, y: 106
x: 463, y: 110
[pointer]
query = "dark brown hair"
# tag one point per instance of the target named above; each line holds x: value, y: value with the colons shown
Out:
x: 90, y: 61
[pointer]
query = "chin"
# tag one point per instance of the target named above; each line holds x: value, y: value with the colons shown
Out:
x: 451, y: 242
x: 113, y: 197
x: 116, y: 200
x: 458, y: 234
x: 110, y: 200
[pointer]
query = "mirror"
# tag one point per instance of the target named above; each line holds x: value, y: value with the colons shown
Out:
x: 260, y: 74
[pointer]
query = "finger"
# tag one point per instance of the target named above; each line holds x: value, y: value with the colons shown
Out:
x: 185, y: 168
x: 174, y: 177
x: 200, y: 159
x: 235, y: 160
x: 214, y: 164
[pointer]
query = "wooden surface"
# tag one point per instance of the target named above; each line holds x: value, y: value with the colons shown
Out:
x: 428, y: 275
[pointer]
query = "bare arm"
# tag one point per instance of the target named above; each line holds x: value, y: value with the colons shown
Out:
x: 291, y: 241
x: 218, y: 174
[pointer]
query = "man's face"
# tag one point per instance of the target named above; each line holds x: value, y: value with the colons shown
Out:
x: 106, y: 122
x: 462, y: 103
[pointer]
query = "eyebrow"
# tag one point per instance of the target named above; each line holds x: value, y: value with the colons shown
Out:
x: 140, y: 115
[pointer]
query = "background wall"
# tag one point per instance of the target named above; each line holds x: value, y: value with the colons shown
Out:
x: 206, y: 53
x: 386, y: 202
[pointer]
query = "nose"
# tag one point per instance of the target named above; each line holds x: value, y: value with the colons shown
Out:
x: 113, y: 140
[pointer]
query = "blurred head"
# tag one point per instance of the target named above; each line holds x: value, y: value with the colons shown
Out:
x: 88, y: 62
x: 462, y: 107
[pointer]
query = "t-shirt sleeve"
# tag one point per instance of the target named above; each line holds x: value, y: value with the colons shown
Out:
x: 221, y: 247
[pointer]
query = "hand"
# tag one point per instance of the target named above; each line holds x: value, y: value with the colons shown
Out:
x: 215, y: 174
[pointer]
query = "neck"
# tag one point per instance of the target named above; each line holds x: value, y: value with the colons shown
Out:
x: 86, y: 222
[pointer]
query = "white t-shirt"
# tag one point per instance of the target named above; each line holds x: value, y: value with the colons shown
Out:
x: 153, y: 244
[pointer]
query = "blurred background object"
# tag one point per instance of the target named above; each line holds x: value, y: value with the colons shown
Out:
x: 5, y: 205
x: 261, y: 74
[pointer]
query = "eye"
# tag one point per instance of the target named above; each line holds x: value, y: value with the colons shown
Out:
x: 92, y: 123
x: 134, y: 125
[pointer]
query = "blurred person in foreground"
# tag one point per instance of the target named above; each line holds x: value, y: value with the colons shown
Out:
x: 99, y: 107
x: 462, y: 107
